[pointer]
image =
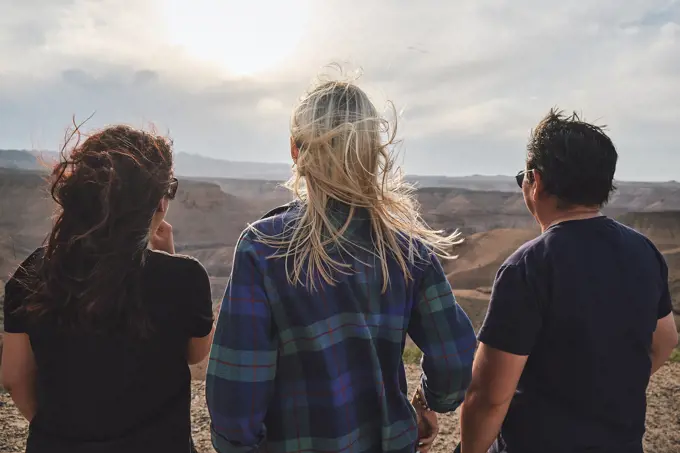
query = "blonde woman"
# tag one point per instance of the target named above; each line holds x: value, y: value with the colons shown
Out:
x: 307, y: 354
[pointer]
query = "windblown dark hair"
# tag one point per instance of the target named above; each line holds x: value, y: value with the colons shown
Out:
x: 107, y: 189
x: 576, y: 159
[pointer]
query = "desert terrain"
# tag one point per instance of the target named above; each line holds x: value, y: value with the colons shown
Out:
x: 663, y: 417
x: 210, y: 212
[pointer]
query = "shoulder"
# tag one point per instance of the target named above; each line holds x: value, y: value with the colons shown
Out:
x: 529, y: 251
x: 180, y: 278
x: 275, y: 221
x: 28, y: 266
x: 18, y: 288
x: 634, y: 238
x: 34, y: 258
x: 281, y: 210
x: 424, y: 263
x: 274, y: 225
x: 161, y: 262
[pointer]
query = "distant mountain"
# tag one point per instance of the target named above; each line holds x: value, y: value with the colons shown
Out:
x: 202, y: 167
x: 193, y: 165
x: 187, y: 165
x: 26, y: 160
x: 493, y: 223
x: 14, y: 158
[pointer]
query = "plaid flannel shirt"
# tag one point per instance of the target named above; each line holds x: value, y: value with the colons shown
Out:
x: 297, y: 371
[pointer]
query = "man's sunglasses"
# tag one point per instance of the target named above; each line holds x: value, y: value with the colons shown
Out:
x: 172, y: 189
x: 520, y: 177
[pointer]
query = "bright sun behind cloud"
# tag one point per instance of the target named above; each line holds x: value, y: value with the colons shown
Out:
x: 240, y: 37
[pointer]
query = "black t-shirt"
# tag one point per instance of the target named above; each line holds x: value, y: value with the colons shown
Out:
x: 116, y: 393
x: 582, y: 301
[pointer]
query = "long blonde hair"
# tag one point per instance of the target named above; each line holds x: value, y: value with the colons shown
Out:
x: 346, y: 155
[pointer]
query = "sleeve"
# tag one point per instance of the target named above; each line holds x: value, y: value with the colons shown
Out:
x: 16, y: 293
x: 665, y: 303
x: 444, y: 333
x: 513, y: 320
x: 14, y: 297
x: 243, y: 358
x: 200, y: 310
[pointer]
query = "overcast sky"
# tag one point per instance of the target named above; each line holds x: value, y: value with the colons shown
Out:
x: 469, y: 78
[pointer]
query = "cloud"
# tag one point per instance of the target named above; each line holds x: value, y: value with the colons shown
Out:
x: 470, y: 78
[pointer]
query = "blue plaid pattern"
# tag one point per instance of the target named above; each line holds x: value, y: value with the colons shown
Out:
x: 298, y: 371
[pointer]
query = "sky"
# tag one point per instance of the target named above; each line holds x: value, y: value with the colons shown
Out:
x: 469, y: 79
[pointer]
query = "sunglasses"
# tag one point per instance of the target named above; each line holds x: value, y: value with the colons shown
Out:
x: 520, y: 177
x: 172, y: 189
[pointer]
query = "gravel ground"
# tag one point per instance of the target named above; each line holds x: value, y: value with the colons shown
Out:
x: 663, y: 417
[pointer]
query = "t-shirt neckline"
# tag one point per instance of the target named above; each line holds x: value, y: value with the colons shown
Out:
x: 573, y: 221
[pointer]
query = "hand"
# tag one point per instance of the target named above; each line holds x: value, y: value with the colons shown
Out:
x: 162, y: 239
x: 428, y: 428
x: 428, y: 425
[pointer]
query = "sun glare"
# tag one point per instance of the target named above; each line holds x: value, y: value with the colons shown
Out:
x: 241, y: 37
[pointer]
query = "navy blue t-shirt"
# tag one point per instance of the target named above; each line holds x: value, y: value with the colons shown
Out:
x: 582, y: 301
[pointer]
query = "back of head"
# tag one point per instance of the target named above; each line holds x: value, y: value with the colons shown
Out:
x: 576, y: 160
x: 338, y: 132
x: 345, y: 159
x: 107, y: 189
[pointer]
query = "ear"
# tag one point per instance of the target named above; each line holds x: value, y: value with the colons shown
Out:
x: 537, y: 188
x: 294, y: 151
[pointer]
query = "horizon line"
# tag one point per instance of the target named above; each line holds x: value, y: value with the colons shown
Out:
x: 410, y: 175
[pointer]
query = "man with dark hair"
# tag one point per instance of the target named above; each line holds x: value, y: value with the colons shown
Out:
x: 579, y: 317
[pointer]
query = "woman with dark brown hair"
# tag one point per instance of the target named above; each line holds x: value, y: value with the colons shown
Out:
x: 102, y: 321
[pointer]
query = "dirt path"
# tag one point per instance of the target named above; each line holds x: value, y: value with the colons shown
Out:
x: 663, y: 417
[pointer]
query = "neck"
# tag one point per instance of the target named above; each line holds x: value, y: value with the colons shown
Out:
x: 577, y: 213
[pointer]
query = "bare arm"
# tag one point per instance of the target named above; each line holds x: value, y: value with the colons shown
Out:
x: 666, y: 335
x: 19, y: 372
x: 18, y: 362
x: 495, y: 375
x: 511, y: 328
x: 665, y: 339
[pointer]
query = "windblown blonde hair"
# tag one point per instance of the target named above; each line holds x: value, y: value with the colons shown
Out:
x: 345, y: 155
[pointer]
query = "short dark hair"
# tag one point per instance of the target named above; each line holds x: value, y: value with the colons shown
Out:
x: 576, y: 160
